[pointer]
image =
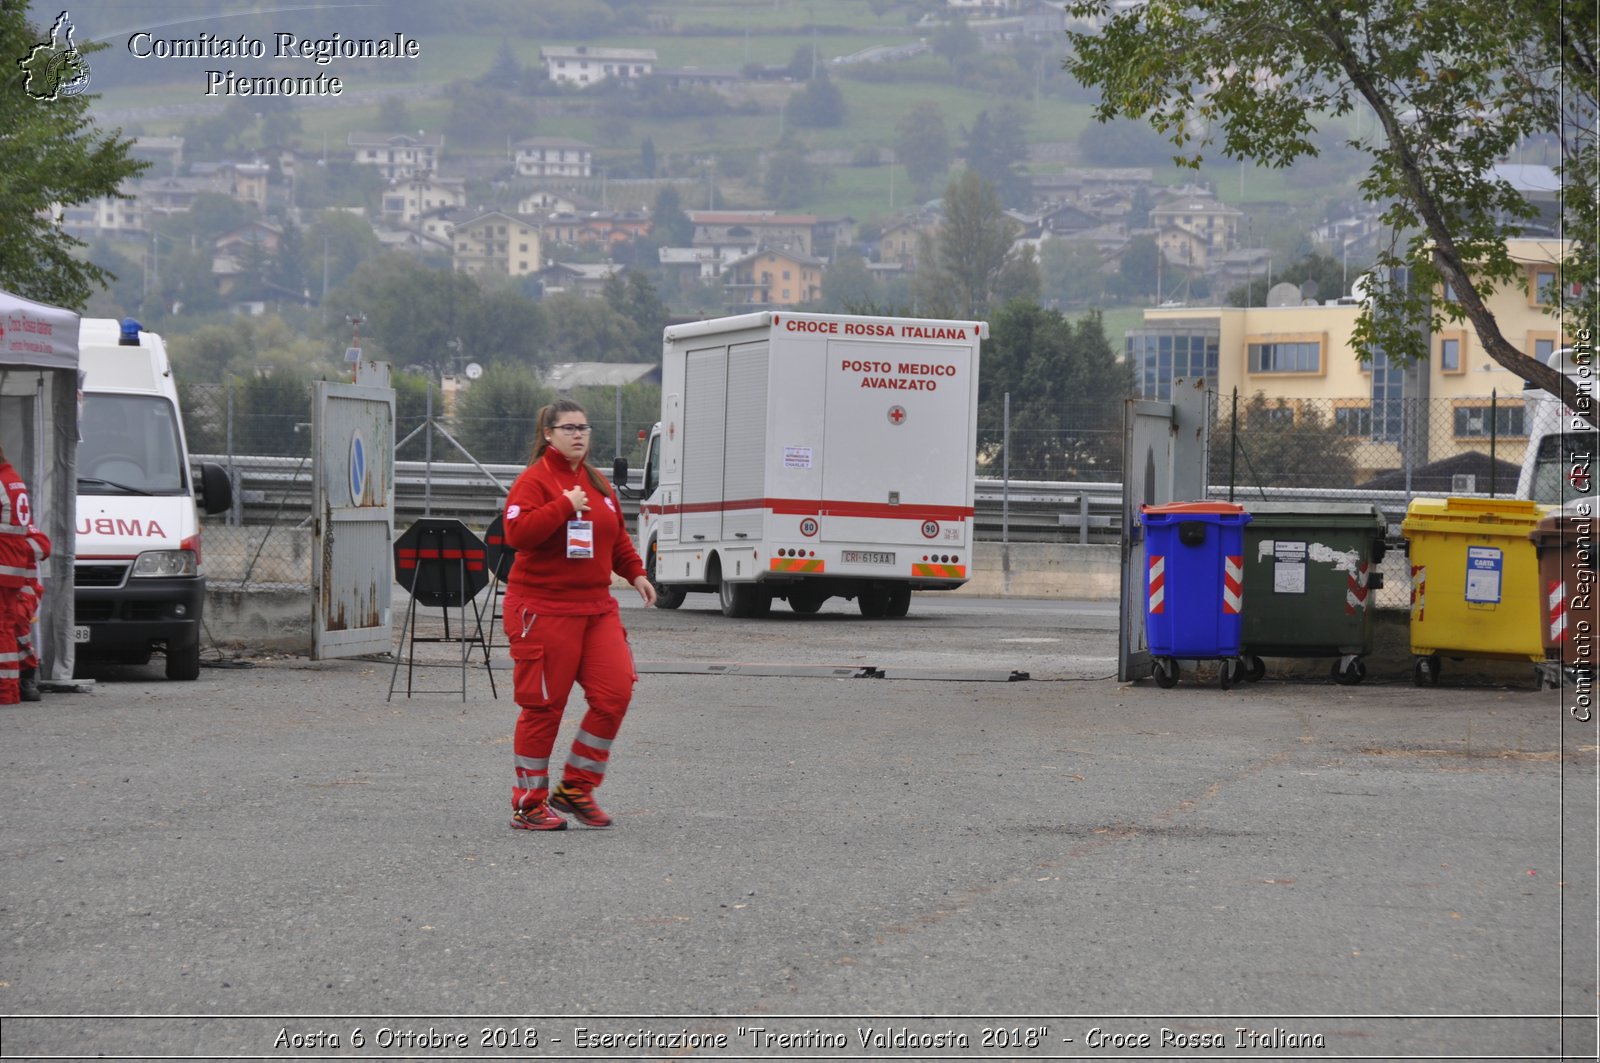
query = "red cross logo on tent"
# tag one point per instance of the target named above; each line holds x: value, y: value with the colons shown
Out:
x: 897, y: 415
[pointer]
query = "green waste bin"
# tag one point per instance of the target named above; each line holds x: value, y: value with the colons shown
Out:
x: 1312, y: 568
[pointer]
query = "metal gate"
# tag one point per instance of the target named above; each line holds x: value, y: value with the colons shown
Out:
x: 352, y: 440
x: 1164, y: 450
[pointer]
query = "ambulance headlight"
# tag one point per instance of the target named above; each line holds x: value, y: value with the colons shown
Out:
x: 166, y: 563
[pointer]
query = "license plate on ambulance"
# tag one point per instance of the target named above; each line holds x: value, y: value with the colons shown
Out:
x: 866, y: 557
x: 80, y: 633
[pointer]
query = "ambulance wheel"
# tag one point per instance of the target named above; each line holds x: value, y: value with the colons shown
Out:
x: 873, y: 603
x: 1166, y: 673
x: 899, y: 603
x: 761, y: 603
x: 184, y: 663
x: 1255, y: 669
x: 1426, y: 673
x: 1349, y: 675
x: 806, y: 602
x: 666, y: 597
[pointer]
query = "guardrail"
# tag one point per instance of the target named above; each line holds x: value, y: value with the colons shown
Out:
x: 271, y: 490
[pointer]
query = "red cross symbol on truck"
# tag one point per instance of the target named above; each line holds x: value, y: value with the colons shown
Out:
x: 897, y: 414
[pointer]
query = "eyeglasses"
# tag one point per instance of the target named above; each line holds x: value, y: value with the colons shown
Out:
x: 574, y: 429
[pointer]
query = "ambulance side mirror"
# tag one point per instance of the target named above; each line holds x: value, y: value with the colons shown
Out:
x: 619, y: 475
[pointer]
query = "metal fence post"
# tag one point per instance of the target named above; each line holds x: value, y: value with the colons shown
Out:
x: 1005, y: 471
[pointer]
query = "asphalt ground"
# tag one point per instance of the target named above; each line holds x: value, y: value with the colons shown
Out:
x: 265, y: 861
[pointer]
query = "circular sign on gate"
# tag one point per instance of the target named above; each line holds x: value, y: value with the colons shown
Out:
x: 358, y: 468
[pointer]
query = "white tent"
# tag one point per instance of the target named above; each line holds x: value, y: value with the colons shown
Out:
x: 39, y: 429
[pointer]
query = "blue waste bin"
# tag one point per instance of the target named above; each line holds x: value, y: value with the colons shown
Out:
x: 1194, y: 586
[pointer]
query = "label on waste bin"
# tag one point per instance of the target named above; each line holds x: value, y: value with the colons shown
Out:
x: 1483, y: 573
x: 1288, y: 567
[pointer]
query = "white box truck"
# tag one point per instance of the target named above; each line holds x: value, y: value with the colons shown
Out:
x: 138, y: 581
x: 808, y: 456
x: 1558, y: 464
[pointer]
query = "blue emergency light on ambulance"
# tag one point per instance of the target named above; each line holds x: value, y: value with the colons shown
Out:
x: 138, y: 582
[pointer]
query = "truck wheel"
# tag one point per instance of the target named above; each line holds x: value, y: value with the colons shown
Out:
x: 666, y: 597
x: 806, y: 602
x: 899, y: 603
x: 184, y: 663
x: 738, y: 599
x: 873, y: 603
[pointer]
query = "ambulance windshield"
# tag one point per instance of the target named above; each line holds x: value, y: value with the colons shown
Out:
x: 129, y: 444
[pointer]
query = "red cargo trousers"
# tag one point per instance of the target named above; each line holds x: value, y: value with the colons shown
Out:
x: 12, y: 607
x: 549, y: 654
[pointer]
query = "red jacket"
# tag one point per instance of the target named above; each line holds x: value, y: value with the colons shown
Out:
x: 536, y: 516
x: 22, y: 546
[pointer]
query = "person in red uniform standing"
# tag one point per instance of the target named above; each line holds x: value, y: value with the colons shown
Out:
x: 22, y: 547
x: 564, y: 522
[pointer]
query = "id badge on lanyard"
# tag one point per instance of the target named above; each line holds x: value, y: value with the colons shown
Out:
x: 580, y: 538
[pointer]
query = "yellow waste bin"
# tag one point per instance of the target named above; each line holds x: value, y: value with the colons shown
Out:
x: 1474, y: 581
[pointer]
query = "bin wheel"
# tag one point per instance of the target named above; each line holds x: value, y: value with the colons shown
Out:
x: 1166, y: 673
x: 1228, y: 670
x: 1254, y: 668
x: 1349, y: 673
x: 1427, y: 671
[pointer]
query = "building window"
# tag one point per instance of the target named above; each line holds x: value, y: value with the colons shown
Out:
x: 1294, y: 357
x: 1353, y: 420
x: 1543, y: 286
x: 1181, y: 352
x: 1475, y: 422
x: 1450, y: 355
x: 1388, y: 399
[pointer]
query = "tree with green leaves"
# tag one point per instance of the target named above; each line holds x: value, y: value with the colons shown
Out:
x: 668, y: 222
x: 1071, y: 272
x: 922, y: 146
x: 968, y: 258
x: 820, y: 105
x: 1452, y: 87
x: 791, y: 179
x: 997, y: 148
x: 495, y: 417
x: 1066, y: 387
x: 53, y: 157
x: 1325, y: 274
x: 1272, y: 443
x: 633, y: 297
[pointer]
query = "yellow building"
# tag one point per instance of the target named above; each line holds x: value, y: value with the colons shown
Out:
x: 1299, y: 357
x: 773, y: 278
x: 497, y: 242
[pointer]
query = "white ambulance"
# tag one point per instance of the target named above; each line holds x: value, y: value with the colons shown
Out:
x: 808, y: 456
x: 139, y: 584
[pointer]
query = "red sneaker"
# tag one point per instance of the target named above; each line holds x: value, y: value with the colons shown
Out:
x: 580, y: 805
x: 539, y: 817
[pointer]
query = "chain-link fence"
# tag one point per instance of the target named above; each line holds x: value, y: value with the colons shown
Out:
x: 1416, y: 446
x: 460, y: 467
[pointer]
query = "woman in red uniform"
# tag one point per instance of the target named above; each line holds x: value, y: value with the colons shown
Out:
x: 563, y: 520
x: 22, y: 547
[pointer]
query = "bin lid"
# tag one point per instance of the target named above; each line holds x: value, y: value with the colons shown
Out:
x: 1470, y: 515
x: 1568, y: 522
x: 1187, y: 509
x: 1323, y: 514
